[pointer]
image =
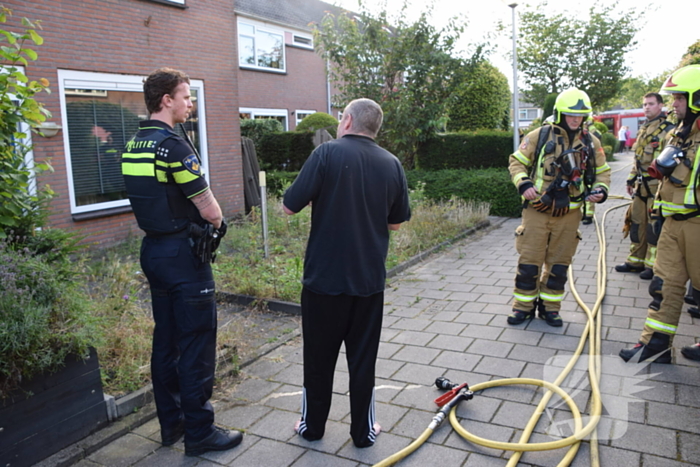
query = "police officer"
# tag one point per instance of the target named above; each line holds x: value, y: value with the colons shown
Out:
x: 556, y: 168
x: 678, y: 253
x: 170, y: 199
x: 642, y: 187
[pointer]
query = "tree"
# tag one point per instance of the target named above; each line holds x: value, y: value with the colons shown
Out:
x: 407, y: 68
x: 482, y: 100
x: 19, y: 210
x: 692, y: 56
x: 560, y: 51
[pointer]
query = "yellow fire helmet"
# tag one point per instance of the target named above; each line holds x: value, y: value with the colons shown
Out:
x: 685, y: 80
x: 574, y: 102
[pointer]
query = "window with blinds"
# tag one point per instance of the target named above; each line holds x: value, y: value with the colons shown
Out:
x: 101, y: 115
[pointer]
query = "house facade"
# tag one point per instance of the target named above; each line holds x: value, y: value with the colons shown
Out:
x: 253, y: 58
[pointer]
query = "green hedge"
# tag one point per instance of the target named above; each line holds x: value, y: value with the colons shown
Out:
x: 277, y: 182
x: 466, y: 150
x: 285, y: 151
x: 491, y: 185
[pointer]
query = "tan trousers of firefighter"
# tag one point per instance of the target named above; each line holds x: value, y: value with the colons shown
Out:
x: 546, y: 246
x: 677, y: 260
x: 641, y: 252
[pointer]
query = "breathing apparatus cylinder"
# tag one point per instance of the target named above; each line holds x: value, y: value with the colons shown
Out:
x: 666, y: 163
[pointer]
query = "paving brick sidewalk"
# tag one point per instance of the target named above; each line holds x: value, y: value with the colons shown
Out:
x: 447, y: 317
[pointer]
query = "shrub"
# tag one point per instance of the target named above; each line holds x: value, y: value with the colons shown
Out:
x: 609, y: 143
x: 491, y: 185
x: 44, y: 316
x: 285, y: 151
x: 602, y: 127
x: 466, y: 150
x: 256, y: 128
x: 277, y: 182
x: 318, y: 121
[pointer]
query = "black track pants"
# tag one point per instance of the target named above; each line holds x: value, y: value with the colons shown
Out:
x: 327, y: 322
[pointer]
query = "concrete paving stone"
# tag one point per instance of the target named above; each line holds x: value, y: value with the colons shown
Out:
x: 87, y: 463
x: 242, y: 416
x: 481, y: 408
x: 125, y: 451
x: 457, y: 287
x: 449, y: 307
x: 268, y: 453
x: 554, y: 341
x: 461, y: 279
x: 414, y: 324
x: 388, y: 415
x: 341, y: 382
x: 445, y: 327
x: 621, y: 301
x: 226, y: 457
x: 540, y: 325
x: 278, y: 424
x: 519, y: 336
x: 467, y: 317
x: 386, y: 445
x: 613, y: 321
x: 413, y: 337
x: 435, y: 294
x: 657, y: 391
x: 388, y: 320
x: 266, y: 367
x: 548, y: 458
x: 337, y: 434
x: 387, y: 349
x: 463, y: 297
x: 483, y: 430
x: 447, y: 342
x: 513, y: 414
x: 648, y: 459
x: 385, y: 390
x: 404, y: 298
x: 644, y: 438
x: 419, y: 397
x: 415, y: 354
x: 688, y: 396
x: 432, y: 454
x: 628, y: 311
x: 385, y: 368
x: 420, y: 374
x: 148, y: 429
x: 530, y: 353
x: 689, y: 447
x: 622, y: 335
x: 319, y: 459
x: 478, y: 331
x: 293, y: 374
x: 499, y: 367
x: 674, y: 417
x: 289, y: 352
x: 404, y: 312
x: 288, y: 397
x: 575, y: 329
x: 675, y: 374
x: 492, y: 298
x: 490, y: 347
x: 387, y: 335
x: 463, y: 361
x: 480, y: 460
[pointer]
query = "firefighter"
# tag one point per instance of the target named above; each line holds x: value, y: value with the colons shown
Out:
x: 642, y: 188
x: 589, y: 207
x: 556, y: 169
x: 677, y: 206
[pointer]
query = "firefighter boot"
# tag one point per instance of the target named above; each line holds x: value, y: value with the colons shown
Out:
x: 551, y: 317
x: 691, y: 352
x: 658, y: 349
x: 519, y: 316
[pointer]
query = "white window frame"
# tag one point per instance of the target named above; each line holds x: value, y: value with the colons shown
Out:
x: 304, y: 37
x: 305, y: 112
x: 267, y: 113
x: 262, y: 27
x: 112, y: 82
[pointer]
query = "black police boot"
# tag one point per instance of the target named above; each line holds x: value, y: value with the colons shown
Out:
x: 694, y: 312
x: 519, y: 316
x: 551, y: 317
x: 647, y: 274
x: 658, y: 349
x: 628, y: 268
x: 170, y: 436
x: 219, y: 440
x: 691, y: 352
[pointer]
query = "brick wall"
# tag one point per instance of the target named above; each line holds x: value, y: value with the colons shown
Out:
x: 135, y: 37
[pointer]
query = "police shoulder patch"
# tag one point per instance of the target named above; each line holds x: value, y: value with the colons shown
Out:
x: 191, y: 163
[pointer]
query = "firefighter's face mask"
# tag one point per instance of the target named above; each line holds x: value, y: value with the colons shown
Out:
x: 568, y: 166
x: 665, y: 164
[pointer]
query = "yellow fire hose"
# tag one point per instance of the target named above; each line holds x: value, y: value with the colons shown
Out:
x: 592, y: 329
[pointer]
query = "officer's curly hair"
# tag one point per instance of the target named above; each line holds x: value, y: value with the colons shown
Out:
x: 159, y: 83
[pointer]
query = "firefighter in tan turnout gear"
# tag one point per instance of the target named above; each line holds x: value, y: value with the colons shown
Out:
x: 556, y: 169
x: 642, y: 187
x: 677, y: 206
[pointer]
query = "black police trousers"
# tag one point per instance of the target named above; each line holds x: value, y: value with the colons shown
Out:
x: 184, y: 337
x: 327, y: 322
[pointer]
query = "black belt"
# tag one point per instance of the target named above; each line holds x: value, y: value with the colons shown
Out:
x: 184, y: 233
